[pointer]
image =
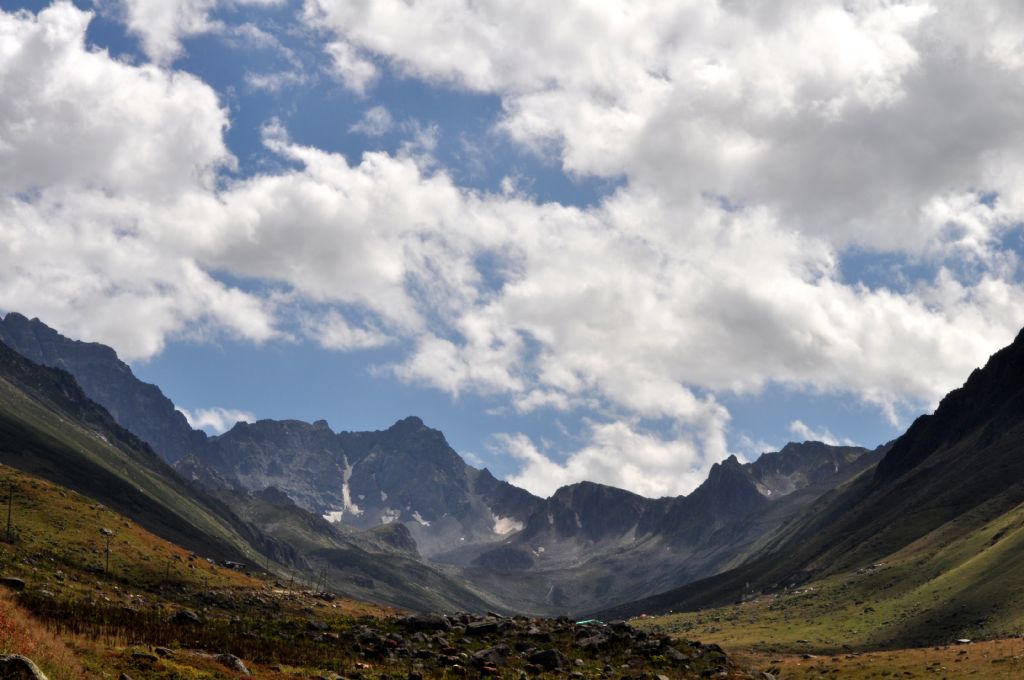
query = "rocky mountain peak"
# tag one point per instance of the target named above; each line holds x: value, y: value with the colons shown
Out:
x: 991, y: 400
x: 139, y: 407
x: 408, y: 425
x: 799, y: 464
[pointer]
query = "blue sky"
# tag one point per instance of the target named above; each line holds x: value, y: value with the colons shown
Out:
x: 593, y: 245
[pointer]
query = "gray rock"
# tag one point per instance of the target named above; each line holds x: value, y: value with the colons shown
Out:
x: 427, y: 622
x: 482, y: 628
x: 549, y: 659
x: 17, y: 667
x: 12, y: 582
x: 492, y: 656
x: 233, y: 662
x: 186, y: 617
x: 594, y: 641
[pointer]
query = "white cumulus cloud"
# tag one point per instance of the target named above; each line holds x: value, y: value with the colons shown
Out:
x: 375, y: 122
x: 216, y: 420
x: 161, y: 25
x: 804, y: 432
x: 355, y: 72
x: 755, y: 147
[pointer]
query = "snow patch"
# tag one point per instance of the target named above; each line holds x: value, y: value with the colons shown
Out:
x: 334, y: 517
x: 419, y: 518
x: 383, y: 497
x: 390, y: 515
x: 346, y: 495
x: 506, y: 525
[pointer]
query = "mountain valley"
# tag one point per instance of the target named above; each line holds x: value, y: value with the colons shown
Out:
x: 813, y: 549
x: 587, y: 547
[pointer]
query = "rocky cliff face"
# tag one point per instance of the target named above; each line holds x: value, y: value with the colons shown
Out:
x: 407, y: 473
x: 597, y: 514
x: 590, y: 545
x: 799, y: 465
x: 139, y: 407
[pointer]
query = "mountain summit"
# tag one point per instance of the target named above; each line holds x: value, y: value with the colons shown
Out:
x: 139, y: 407
x: 407, y: 473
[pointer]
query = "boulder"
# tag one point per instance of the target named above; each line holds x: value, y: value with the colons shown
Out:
x: 17, y: 667
x: 492, y: 656
x: 549, y: 659
x: 233, y: 662
x: 186, y: 617
x: 12, y: 582
x: 427, y: 622
x: 598, y: 641
x: 482, y: 628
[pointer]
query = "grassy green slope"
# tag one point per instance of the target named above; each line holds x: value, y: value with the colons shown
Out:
x: 941, y: 514
x: 49, y: 428
x: 958, y: 581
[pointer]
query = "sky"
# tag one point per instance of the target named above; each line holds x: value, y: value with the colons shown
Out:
x: 614, y: 241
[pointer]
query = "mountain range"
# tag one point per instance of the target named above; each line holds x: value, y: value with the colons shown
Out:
x: 397, y: 516
x: 587, y: 546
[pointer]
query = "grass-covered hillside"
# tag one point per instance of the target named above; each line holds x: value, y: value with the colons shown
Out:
x: 50, y: 428
x: 956, y: 582
x: 81, y: 614
x: 157, y: 611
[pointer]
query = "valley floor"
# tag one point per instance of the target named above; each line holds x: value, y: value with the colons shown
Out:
x: 990, y: 659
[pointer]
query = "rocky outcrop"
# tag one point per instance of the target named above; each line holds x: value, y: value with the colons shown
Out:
x: 17, y: 667
x: 407, y: 473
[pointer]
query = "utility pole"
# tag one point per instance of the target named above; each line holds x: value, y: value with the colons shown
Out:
x: 107, y: 533
x: 10, y: 512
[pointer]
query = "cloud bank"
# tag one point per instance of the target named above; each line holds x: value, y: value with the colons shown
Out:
x: 756, y: 146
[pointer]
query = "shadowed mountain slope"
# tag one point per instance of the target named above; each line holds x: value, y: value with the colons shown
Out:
x: 591, y: 545
x: 50, y: 428
x: 139, y: 407
x: 954, y: 479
